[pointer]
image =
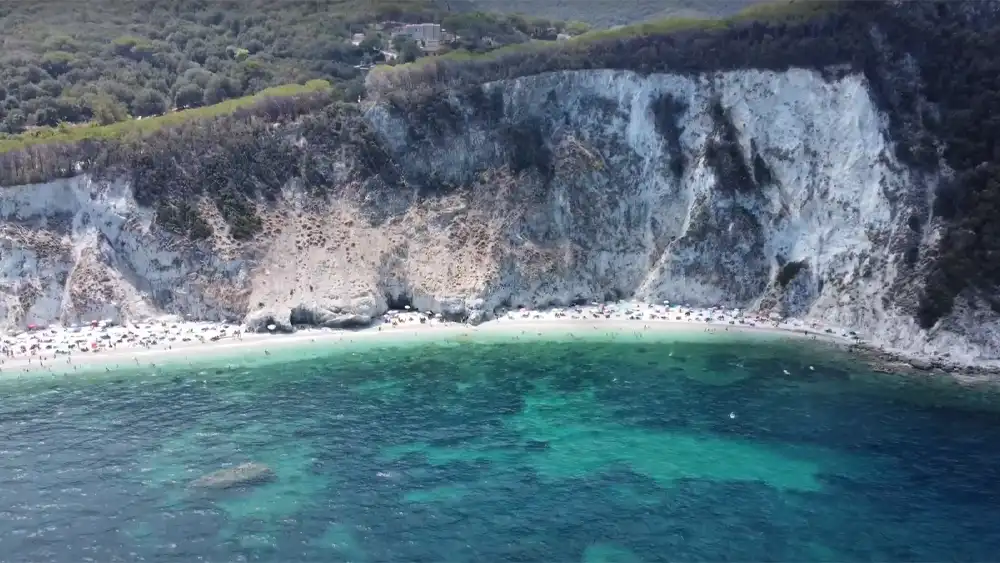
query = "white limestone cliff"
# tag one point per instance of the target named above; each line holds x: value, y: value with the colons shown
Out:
x: 573, y: 186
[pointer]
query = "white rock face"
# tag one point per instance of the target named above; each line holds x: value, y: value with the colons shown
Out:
x: 558, y: 187
x: 75, y: 250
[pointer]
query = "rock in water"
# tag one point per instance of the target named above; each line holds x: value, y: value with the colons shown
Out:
x: 537, y: 445
x: 244, y: 474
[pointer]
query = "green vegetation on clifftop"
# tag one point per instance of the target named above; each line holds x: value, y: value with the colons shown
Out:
x: 608, y: 49
x: 68, y: 61
x: 314, y: 89
x: 606, y: 13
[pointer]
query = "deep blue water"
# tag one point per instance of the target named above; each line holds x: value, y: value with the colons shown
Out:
x: 547, y: 452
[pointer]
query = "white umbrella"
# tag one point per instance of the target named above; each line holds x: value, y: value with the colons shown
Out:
x: 271, y: 327
x: 407, y: 307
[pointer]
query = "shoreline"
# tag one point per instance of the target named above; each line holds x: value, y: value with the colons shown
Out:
x: 263, y: 344
x: 399, y: 328
x: 147, y: 345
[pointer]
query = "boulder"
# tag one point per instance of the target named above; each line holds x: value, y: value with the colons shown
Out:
x: 477, y: 317
x: 317, y: 315
x: 452, y: 309
x: 258, y: 321
x: 346, y: 321
x: 244, y: 474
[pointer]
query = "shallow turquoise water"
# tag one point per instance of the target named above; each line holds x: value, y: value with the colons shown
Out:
x: 547, y: 451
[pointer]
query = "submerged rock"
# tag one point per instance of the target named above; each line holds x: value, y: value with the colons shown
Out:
x: 243, y: 474
x: 537, y: 445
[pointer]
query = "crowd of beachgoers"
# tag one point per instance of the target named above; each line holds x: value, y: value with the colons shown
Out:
x: 53, y: 348
x: 712, y: 318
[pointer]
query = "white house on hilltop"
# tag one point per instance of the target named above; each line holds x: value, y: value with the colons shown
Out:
x: 427, y: 35
x: 425, y: 32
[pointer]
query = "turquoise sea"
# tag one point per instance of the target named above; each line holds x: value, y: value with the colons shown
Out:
x: 557, y: 449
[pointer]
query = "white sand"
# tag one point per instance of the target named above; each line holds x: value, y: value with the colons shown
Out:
x: 59, y: 349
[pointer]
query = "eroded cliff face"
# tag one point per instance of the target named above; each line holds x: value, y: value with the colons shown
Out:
x: 760, y: 190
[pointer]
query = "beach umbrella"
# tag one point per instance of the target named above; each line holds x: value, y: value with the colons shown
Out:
x: 271, y: 327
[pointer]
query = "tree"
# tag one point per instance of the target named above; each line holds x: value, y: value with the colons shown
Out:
x: 70, y: 110
x: 354, y: 90
x: 149, y: 102
x: 35, y: 74
x: 106, y: 109
x: 198, y: 76
x: 131, y: 47
x: 14, y: 122
x: 57, y: 63
x: 254, y: 46
x: 61, y: 42
x: 29, y: 92
x: 408, y: 48
x: 189, y: 95
x: 577, y: 28
x: 371, y: 43
x: 399, y: 40
x: 46, y: 115
x: 219, y: 89
x: 214, y: 63
x: 51, y: 87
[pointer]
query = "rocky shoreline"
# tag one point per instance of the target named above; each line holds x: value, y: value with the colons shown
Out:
x: 893, y: 362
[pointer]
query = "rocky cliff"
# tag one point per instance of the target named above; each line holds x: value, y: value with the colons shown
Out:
x: 756, y: 189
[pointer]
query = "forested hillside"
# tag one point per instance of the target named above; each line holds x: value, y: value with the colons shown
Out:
x: 106, y: 60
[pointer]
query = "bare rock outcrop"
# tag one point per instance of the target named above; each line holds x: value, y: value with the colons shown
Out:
x: 746, y: 188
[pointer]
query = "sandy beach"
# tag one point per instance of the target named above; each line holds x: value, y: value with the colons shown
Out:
x: 104, y: 345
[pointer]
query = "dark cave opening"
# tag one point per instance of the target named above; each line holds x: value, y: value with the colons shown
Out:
x: 401, y: 302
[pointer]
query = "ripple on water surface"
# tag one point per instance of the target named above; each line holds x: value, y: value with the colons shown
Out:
x: 583, y: 450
